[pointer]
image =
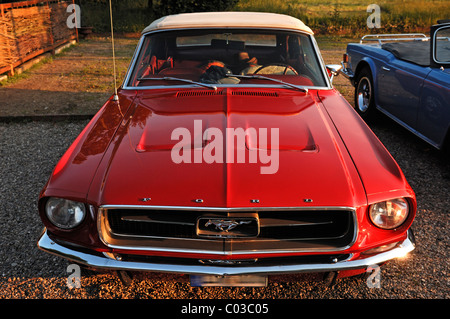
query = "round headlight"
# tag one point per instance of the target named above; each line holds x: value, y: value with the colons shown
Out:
x: 65, y: 213
x: 389, y: 214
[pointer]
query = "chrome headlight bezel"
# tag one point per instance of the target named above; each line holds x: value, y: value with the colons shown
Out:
x: 389, y: 214
x: 64, y: 213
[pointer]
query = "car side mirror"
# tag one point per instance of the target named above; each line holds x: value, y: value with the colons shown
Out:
x: 441, y: 45
x: 333, y: 70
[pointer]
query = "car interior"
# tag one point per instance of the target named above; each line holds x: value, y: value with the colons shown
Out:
x: 215, y: 57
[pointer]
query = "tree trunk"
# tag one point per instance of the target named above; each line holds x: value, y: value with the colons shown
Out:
x: 150, y: 6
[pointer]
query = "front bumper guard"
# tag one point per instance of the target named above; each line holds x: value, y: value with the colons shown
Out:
x: 347, y: 72
x: 92, y: 260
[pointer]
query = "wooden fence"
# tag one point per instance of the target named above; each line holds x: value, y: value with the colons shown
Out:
x: 31, y: 28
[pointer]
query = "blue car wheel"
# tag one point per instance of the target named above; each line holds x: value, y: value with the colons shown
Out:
x: 364, y: 101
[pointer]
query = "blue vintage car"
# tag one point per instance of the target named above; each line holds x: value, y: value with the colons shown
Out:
x: 406, y: 77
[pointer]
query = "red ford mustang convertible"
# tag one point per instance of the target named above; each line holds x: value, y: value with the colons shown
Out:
x: 228, y: 155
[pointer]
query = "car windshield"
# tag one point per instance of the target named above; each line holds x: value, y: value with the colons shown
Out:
x: 227, y: 57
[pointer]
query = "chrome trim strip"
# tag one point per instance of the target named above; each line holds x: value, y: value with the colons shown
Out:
x: 436, y: 145
x: 394, y: 37
x: 219, y: 86
x: 228, y: 209
x: 102, y: 210
x: 46, y: 244
x: 347, y: 72
x: 145, y: 219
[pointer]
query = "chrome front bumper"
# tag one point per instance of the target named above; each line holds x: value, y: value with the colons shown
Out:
x: 347, y: 72
x: 95, y: 260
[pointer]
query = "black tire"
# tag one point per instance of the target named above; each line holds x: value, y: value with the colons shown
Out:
x: 446, y: 148
x: 364, y: 95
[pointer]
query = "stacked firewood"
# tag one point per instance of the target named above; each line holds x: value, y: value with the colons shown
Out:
x: 31, y: 30
x: 26, y: 31
x: 59, y: 18
x: 6, y: 42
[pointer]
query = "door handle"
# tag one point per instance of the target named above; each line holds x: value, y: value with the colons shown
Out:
x: 385, y: 69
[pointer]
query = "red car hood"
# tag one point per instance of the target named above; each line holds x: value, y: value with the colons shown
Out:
x: 309, y: 166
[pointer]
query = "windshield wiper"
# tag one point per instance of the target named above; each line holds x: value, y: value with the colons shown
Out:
x: 169, y: 78
x: 262, y: 77
x: 213, y: 87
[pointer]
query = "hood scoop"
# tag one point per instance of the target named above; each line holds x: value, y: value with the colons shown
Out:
x: 163, y: 133
x: 297, y: 138
x: 172, y: 126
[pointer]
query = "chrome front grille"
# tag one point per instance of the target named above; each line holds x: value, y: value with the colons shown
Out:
x: 227, y: 231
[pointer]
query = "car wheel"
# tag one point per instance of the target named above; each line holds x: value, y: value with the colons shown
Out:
x: 364, y: 95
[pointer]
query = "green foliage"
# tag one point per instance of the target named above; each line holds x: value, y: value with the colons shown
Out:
x: 323, y: 16
x: 162, y: 8
x: 128, y: 15
x: 349, y: 17
x: 135, y: 15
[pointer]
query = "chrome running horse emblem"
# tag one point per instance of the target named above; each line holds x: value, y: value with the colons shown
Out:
x: 226, y: 225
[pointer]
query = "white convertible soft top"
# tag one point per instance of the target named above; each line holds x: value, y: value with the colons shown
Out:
x: 228, y: 20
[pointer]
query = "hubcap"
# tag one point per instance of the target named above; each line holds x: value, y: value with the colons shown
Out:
x: 364, y: 94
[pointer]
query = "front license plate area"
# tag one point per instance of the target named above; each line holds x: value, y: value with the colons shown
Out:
x: 228, y: 281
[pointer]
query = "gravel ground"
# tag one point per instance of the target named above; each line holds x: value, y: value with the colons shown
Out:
x: 29, y: 151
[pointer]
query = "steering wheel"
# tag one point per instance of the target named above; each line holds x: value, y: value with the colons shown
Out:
x: 278, y: 68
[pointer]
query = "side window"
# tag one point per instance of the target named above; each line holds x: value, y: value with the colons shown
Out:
x: 312, y: 63
x: 308, y: 54
x: 142, y: 67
